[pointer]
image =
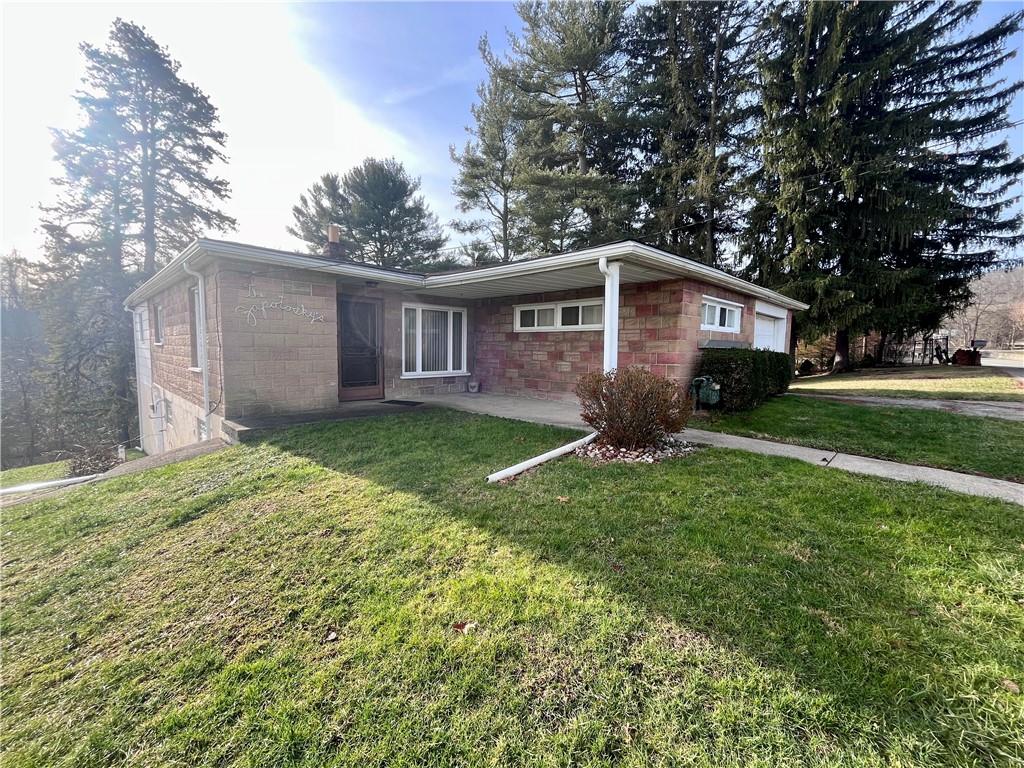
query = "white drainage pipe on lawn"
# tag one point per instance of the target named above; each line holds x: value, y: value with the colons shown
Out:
x: 522, y: 466
x: 43, y: 485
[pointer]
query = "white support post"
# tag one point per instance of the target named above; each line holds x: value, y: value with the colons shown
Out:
x: 611, y: 313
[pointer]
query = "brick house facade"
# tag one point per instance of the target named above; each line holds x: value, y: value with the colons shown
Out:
x: 275, y: 343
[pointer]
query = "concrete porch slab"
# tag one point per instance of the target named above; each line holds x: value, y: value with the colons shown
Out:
x: 558, y: 413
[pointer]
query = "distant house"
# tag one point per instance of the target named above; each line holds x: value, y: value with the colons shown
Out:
x: 233, y: 331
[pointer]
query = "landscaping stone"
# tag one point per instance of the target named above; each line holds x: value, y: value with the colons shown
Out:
x: 669, y: 448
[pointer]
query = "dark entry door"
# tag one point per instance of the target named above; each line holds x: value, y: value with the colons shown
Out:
x: 360, y: 362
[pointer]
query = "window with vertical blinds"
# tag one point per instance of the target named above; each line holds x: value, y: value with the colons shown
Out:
x: 433, y: 340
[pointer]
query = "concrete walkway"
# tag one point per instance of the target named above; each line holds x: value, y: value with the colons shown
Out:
x: 954, y: 481
x: 566, y: 414
x: 994, y: 409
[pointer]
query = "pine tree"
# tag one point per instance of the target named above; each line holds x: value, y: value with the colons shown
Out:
x: 325, y: 203
x: 566, y: 73
x: 171, y: 129
x: 491, y: 173
x: 885, y: 194
x: 692, y: 67
x: 388, y: 222
x: 135, y: 186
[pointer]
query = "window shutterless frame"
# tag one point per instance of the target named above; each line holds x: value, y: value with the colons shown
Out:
x: 453, y: 345
x: 726, y: 316
x: 526, y: 317
x: 158, y: 324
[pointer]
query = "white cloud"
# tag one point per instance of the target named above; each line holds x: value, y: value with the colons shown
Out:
x: 286, y: 121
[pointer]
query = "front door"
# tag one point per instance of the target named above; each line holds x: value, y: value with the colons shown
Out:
x: 360, y: 362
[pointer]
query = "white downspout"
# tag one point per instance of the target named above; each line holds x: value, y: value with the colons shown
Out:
x: 201, y: 338
x: 611, y: 313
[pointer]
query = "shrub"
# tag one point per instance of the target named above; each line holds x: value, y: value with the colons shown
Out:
x: 780, y: 372
x: 632, y: 407
x: 868, y: 361
x: 747, y: 376
x: 91, y: 461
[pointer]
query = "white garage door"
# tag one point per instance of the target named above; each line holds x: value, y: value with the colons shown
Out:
x: 768, y: 332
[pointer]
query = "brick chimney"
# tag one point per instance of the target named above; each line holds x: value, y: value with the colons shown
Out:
x: 334, y: 250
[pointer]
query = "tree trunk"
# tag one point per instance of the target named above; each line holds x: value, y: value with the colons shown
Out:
x: 842, y: 359
x: 148, y: 173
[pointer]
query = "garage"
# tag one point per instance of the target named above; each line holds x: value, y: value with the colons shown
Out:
x: 770, y: 327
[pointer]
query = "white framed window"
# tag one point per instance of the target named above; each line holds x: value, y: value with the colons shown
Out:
x: 720, y: 315
x: 584, y: 315
x: 195, y: 322
x: 158, y: 324
x: 433, y: 341
x: 140, y: 327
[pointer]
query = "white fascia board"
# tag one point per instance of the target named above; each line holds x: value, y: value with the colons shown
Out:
x: 633, y: 251
x: 198, y: 249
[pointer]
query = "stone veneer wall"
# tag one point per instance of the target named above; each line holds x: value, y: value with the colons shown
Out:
x: 659, y: 329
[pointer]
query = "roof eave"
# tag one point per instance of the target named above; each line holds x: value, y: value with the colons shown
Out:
x: 630, y: 248
x: 197, y: 249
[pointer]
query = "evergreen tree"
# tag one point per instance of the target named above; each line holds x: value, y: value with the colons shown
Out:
x: 692, y: 67
x: 491, y: 170
x: 885, y: 196
x: 325, y: 203
x: 170, y: 129
x: 388, y: 222
x: 135, y: 185
x: 566, y: 73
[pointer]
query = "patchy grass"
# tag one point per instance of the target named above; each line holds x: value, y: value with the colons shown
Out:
x: 950, y: 441
x: 942, y: 382
x: 293, y: 603
x: 55, y: 470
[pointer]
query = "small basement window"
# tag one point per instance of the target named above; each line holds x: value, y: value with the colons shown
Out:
x: 563, y: 316
x: 720, y: 315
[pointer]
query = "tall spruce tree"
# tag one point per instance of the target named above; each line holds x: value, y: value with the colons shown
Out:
x: 566, y: 71
x: 884, y: 192
x: 692, y: 68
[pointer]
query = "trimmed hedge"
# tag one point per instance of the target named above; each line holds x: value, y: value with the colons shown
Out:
x: 747, y: 377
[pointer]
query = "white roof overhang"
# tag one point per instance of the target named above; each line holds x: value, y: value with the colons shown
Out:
x: 568, y: 271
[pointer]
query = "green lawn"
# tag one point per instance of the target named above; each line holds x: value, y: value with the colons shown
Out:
x: 55, y: 470
x: 292, y: 603
x: 942, y: 382
x: 993, y: 447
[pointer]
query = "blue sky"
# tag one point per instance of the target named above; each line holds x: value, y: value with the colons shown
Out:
x: 301, y: 89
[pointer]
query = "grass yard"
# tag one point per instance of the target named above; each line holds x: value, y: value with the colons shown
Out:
x: 55, y: 470
x: 993, y: 447
x: 941, y: 382
x: 294, y: 602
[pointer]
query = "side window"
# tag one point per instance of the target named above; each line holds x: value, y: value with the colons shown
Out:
x: 194, y: 322
x: 158, y: 324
